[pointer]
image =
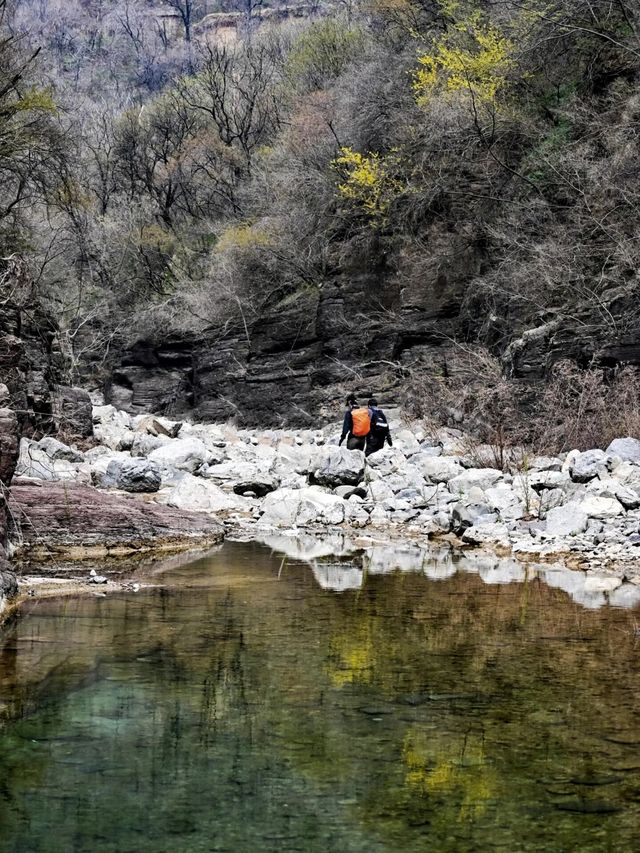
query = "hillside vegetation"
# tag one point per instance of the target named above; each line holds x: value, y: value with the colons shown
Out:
x: 477, y: 156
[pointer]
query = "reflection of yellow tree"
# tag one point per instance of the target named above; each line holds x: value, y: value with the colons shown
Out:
x: 352, y: 657
x: 457, y: 769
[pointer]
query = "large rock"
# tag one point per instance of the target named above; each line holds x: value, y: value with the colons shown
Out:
x: 34, y: 462
x: 231, y: 472
x: 183, y: 454
x: 507, y: 501
x: 597, y: 506
x: 112, y: 427
x: 487, y: 533
x: 567, y: 520
x: 134, y: 475
x: 79, y: 521
x: 586, y: 466
x: 628, y: 449
x: 57, y: 450
x: 480, y: 478
x: 438, y: 469
x: 143, y: 443
x: 259, y: 486
x: 9, y: 444
x: 291, y: 507
x: 337, y: 466
x: 194, y: 493
x: 157, y: 426
x: 465, y: 516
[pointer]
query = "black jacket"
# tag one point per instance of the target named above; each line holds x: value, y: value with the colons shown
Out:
x: 347, y: 425
x: 379, y: 432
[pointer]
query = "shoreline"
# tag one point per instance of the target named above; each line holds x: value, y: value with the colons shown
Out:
x: 150, y: 487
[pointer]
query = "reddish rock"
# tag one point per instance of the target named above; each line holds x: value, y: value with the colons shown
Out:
x: 79, y: 521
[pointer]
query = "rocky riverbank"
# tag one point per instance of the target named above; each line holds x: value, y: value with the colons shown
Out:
x: 578, y: 509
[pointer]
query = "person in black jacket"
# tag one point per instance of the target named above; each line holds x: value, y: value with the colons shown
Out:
x: 379, y: 431
x: 354, y: 442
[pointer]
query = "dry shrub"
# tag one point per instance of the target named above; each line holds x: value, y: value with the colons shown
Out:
x: 587, y: 408
x: 573, y: 408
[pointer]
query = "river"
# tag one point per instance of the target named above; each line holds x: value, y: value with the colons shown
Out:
x: 244, y: 706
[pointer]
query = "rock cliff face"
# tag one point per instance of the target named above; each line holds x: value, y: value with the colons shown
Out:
x: 365, y: 330
x: 33, y: 397
x: 296, y: 363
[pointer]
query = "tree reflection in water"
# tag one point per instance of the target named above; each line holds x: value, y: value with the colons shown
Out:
x: 246, y: 706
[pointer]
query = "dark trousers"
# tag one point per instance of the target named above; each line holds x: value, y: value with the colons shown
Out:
x: 374, y: 443
x: 356, y: 442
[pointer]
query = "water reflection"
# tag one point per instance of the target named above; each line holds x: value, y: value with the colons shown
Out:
x: 340, y: 562
x: 248, y: 706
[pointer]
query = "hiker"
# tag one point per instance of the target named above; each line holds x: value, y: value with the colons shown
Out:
x: 355, y: 425
x: 378, y: 429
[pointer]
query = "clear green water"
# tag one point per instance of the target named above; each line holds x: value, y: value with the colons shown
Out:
x: 244, y: 708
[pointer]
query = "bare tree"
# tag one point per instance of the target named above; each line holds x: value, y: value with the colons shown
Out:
x: 187, y: 10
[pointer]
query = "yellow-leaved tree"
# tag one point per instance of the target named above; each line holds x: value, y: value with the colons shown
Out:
x: 472, y: 58
x: 368, y: 181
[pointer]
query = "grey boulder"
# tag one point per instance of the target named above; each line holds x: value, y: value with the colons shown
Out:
x: 337, y: 466
x: 627, y: 449
x: 586, y: 466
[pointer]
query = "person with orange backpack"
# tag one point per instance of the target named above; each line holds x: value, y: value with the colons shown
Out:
x: 356, y: 425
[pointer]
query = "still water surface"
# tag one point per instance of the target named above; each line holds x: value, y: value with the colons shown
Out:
x: 245, y: 708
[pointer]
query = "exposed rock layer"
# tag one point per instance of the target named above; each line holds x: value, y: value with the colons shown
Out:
x: 363, y: 331
x: 80, y: 521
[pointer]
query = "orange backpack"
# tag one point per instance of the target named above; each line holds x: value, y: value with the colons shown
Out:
x: 361, y: 422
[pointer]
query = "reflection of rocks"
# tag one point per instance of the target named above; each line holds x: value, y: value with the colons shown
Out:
x: 337, y: 577
x: 8, y: 587
x: 335, y: 562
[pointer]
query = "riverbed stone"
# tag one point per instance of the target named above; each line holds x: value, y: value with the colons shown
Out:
x: 337, y: 466
x: 437, y: 469
x: 34, y: 462
x: 198, y: 494
x: 182, y: 454
x: 466, y: 515
x: 567, y: 520
x: 157, y: 426
x: 628, y: 449
x: 134, y: 475
x: 57, y: 450
x: 481, y: 478
x: 259, y: 486
x: 596, y: 506
x: 143, y: 444
x: 586, y: 466
x: 484, y: 532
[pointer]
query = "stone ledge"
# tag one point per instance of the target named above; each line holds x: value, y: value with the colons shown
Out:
x: 81, y: 522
